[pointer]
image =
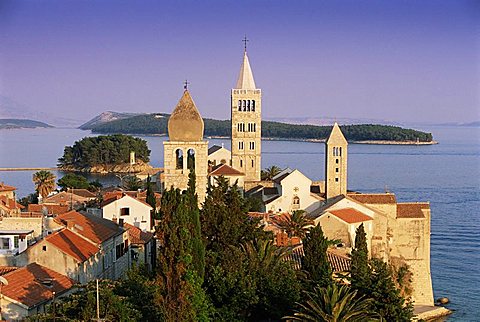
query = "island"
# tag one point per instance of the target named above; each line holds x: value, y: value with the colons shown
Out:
x: 116, y: 153
x: 156, y: 124
x: 22, y: 124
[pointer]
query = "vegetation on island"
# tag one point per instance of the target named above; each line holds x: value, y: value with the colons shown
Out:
x: 157, y: 124
x: 21, y: 124
x: 77, y: 181
x: 103, y: 150
x: 218, y: 264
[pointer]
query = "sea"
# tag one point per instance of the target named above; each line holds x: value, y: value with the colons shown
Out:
x: 446, y: 174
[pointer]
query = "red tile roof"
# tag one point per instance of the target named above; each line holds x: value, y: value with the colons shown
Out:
x: 225, y: 170
x: 4, y: 187
x: 338, y: 263
x: 374, y: 198
x: 6, y: 269
x: 10, y: 203
x: 82, y: 193
x: 350, y: 215
x: 115, y: 197
x: 28, y: 285
x: 71, y: 244
x: 412, y: 209
x: 136, y: 235
x: 93, y: 228
x: 52, y: 208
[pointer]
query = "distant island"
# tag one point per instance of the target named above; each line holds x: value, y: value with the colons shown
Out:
x: 21, y: 124
x: 105, y: 154
x: 156, y: 124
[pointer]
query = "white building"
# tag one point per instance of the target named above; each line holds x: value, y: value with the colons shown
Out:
x: 133, y: 211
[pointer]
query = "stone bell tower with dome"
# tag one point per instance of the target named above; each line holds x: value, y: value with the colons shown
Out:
x: 246, y: 109
x: 185, y: 149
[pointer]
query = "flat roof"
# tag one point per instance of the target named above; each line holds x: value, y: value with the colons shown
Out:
x: 16, y: 232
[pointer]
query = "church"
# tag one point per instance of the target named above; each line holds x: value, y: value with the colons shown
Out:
x: 398, y: 233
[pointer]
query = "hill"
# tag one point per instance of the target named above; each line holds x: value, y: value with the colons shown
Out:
x: 21, y: 124
x: 105, y: 117
x: 157, y: 124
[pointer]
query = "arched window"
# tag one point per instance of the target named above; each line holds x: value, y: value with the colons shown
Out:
x: 334, y: 150
x: 191, y: 159
x: 253, y: 105
x: 340, y: 151
x: 296, y: 200
x: 179, y: 159
x: 240, y: 105
x: 244, y: 105
x: 248, y: 105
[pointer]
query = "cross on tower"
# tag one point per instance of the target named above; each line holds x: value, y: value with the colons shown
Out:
x: 245, y: 40
x: 185, y: 84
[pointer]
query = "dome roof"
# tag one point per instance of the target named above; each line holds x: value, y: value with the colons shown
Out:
x: 185, y: 122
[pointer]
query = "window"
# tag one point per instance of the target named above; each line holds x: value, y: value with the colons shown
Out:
x: 248, y: 106
x: 239, y: 105
x: 5, y: 243
x: 336, y: 169
x: 125, y: 211
x: 336, y: 179
x: 240, y: 145
x: 191, y: 159
x: 15, y: 241
x: 253, y: 105
x: 241, y: 163
x: 44, y: 248
x: 179, y: 159
x: 336, y: 161
x: 253, y: 163
x: 340, y: 151
x: 244, y: 105
x: 296, y: 202
x: 252, y: 145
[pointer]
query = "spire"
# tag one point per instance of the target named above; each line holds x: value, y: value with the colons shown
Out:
x: 185, y: 122
x: 245, y: 79
x: 336, y: 136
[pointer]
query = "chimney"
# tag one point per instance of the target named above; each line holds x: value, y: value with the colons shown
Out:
x: 120, y: 222
x: 70, y: 224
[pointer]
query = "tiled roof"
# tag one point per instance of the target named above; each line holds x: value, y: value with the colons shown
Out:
x: 65, y: 197
x: 338, y: 263
x: 71, y: 244
x: 6, y: 269
x: 35, y: 284
x: 120, y: 196
x: 91, y: 227
x: 52, y: 208
x: 270, y: 191
x: 136, y: 235
x: 350, y: 215
x: 213, y: 149
x: 374, y: 198
x: 82, y: 193
x: 279, y: 178
x: 411, y: 209
x: 225, y: 170
x: 10, y: 203
x: 4, y: 187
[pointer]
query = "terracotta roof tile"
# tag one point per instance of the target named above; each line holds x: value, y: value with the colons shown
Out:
x: 25, y: 284
x: 374, y: 198
x: 338, y: 263
x: 10, y: 203
x: 72, y: 244
x: 4, y: 187
x: 52, y: 208
x: 350, y: 215
x: 136, y: 235
x: 411, y: 209
x: 91, y: 227
x: 6, y: 269
x: 213, y: 149
x: 225, y: 170
x: 82, y: 193
x: 120, y: 196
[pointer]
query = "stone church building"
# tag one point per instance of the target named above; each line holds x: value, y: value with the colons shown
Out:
x: 396, y: 232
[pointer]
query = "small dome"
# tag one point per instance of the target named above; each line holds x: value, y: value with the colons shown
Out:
x: 185, y: 122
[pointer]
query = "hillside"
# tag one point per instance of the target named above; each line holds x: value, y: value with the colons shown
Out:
x: 105, y: 117
x: 21, y: 124
x: 157, y: 124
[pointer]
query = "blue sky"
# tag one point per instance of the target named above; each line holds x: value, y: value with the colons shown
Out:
x: 403, y: 61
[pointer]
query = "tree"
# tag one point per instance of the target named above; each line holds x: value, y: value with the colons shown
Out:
x: 131, y: 183
x: 315, y: 261
x: 360, y: 271
x: 72, y: 180
x: 151, y: 200
x: 31, y: 198
x: 333, y: 304
x: 44, y: 182
x: 295, y: 224
x: 270, y: 172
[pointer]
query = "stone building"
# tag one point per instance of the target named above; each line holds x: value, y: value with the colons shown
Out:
x: 186, y: 150
x: 246, y: 111
x: 336, y: 163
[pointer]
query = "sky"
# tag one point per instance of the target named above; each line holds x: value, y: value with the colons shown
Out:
x: 403, y: 61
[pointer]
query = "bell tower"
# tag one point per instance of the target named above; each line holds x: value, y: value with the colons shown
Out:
x: 335, y: 163
x: 246, y: 109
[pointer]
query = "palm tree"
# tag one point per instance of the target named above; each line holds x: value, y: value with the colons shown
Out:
x: 295, y: 224
x: 44, y: 182
x: 333, y: 304
x: 131, y: 183
x: 263, y: 254
x: 270, y: 172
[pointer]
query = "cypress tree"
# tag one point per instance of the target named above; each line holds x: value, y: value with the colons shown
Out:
x: 150, y: 193
x: 360, y: 271
x: 315, y: 261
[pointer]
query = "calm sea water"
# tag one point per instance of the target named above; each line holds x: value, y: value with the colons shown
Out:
x: 447, y: 175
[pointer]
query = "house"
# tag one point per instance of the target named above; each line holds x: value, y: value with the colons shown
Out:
x: 218, y: 155
x: 25, y: 221
x: 155, y: 177
x: 128, y: 209
x: 28, y: 290
x: 7, y: 191
x: 291, y: 191
x: 74, y: 198
x: 232, y: 175
x: 142, y: 246
x: 83, y: 247
x: 9, y: 206
x: 49, y: 209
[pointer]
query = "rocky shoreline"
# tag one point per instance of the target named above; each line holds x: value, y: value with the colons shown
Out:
x: 374, y: 142
x: 139, y: 166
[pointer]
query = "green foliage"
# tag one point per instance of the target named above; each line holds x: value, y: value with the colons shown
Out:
x: 131, y: 183
x: 31, y: 198
x: 315, y: 261
x: 295, y: 224
x: 100, y: 150
x: 360, y: 271
x: 151, y: 200
x: 334, y: 304
x: 270, y: 172
x: 72, y: 180
x: 44, y: 182
x: 152, y: 124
